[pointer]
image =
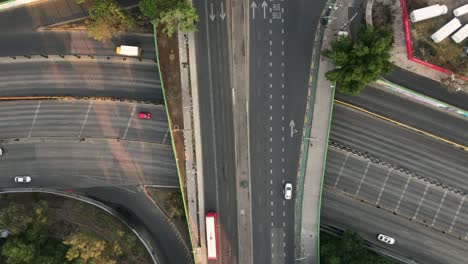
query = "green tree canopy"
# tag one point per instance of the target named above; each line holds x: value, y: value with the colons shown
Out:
x: 348, y: 249
x: 107, y: 19
x: 361, y: 62
x: 172, y: 15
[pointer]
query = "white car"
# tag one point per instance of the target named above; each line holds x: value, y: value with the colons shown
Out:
x: 287, y: 191
x: 23, y: 179
x: 386, y: 239
x: 1, y: 151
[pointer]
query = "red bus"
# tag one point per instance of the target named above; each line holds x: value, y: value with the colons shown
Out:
x: 211, y: 236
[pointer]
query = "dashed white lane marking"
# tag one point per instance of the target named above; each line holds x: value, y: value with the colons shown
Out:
x: 282, y: 138
x: 282, y: 118
x: 282, y: 31
x: 271, y: 172
x: 271, y: 64
x: 282, y: 75
x: 282, y: 181
x: 383, y: 186
x: 271, y: 42
x: 284, y: 213
x: 271, y: 32
x: 272, y: 224
x: 284, y: 202
x: 282, y: 106
x: 271, y: 161
x: 282, y: 149
x: 271, y: 21
x: 282, y: 159
x: 271, y: 129
x: 282, y: 53
x: 282, y: 170
x: 271, y: 213
x: 438, y: 209
x: 271, y: 192
x: 341, y: 171
x: 403, y: 193
x: 271, y: 96
x: 271, y: 150
x: 282, y: 97
x: 282, y: 42
x: 456, y: 214
x: 271, y: 203
x: 282, y: 128
x: 271, y: 53
x: 35, y: 117
x: 271, y: 139
x: 271, y: 75
x: 271, y: 85
x: 129, y: 122
x: 271, y: 118
x: 271, y: 107
x: 421, y: 201
x: 86, y: 118
x: 271, y: 181
x: 362, y: 178
x: 165, y: 136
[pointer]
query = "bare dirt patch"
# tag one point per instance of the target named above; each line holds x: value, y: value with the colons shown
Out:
x: 447, y: 53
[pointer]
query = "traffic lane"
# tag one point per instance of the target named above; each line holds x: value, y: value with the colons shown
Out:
x: 84, y: 119
x: 217, y: 127
x: 416, y: 152
x: 138, y: 210
x: 68, y: 162
x: 116, y: 79
x: 71, y: 42
x: 28, y: 17
x: 415, y: 198
x: 412, y: 240
x: 399, y: 108
x: 427, y: 87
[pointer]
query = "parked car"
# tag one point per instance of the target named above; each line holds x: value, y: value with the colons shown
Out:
x: 1, y: 151
x: 386, y: 239
x: 287, y: 191
x: 144, y: 115
x: 23, y: 179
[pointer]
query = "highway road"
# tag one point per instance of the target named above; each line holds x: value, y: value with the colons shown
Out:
x: 216, y: 121
x: 423, y: 244
x: 385, y: 169
x: 19, y: 35
x: 420, y: 154
x: 281, y: 42
x: 117, y: 79
x: 384, y: 102
x: 83, y: 119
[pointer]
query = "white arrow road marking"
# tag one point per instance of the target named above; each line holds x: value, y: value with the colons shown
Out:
x: 292, y: 127
x: 253, y: 6
x: 222, y: 15
x: 264, y: 5
x: 212, y: 15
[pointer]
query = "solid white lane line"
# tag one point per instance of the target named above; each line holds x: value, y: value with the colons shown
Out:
x: 384, y: 184
x: 86, y: 118
x: 421, y: 201
x: 34, y: 120
x: 456, y: 214
x: 438, y: 209
x: 362, y: 178
x: 341, y: 171
x: 403, y: 193
x: 165, y: 136
x: 129, y: 122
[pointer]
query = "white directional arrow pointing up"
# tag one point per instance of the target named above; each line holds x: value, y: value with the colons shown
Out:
x: 253, y: 6
x: 212, y: 15
x: 264, y: 5
x: 292, y: 126
x: 222, y: 15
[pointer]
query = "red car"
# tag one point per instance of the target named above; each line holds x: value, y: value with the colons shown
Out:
x: 144, y: 115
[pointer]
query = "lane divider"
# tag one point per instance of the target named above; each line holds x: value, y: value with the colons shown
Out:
x: 465, y: 148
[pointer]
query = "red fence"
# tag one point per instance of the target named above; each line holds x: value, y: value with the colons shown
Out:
x: 409, y: 46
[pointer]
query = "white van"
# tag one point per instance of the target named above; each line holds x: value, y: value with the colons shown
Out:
x: 128, y: 50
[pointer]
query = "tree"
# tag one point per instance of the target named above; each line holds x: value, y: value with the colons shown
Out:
x: 87, y: 248
x: 182, y: 18
x: 348, y: 249
x: 107, y: 19
x: 172, y: 15
x: 361, y: 62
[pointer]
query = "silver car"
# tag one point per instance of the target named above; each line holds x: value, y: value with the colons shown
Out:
x: 386, y: 239
x: 23, y: 179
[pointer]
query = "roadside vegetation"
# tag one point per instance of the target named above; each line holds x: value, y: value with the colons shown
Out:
x: 347, y: 249
x: 360, y: 62
x: 51, y: 229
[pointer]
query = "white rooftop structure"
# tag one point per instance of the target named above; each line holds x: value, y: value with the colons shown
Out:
x: 428, y: 12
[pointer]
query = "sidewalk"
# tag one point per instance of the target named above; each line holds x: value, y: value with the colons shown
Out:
x: 316, y: 144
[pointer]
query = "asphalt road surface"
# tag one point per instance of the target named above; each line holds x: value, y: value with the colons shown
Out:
x: 216, y: 120
x: 83, y: 119
x: 281, y: 42
x: 117, y: 79
x: 19, y: 36
x: 425, y: 245
x: 386, y: 103
x: 140, y: 212
x: 418, y: 153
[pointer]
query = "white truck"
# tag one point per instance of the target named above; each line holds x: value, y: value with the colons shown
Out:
x: 128, y: 51
x: 428, y: 12
x: 461, y: 34
x: 446, y: 30
x: 461, y: 10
